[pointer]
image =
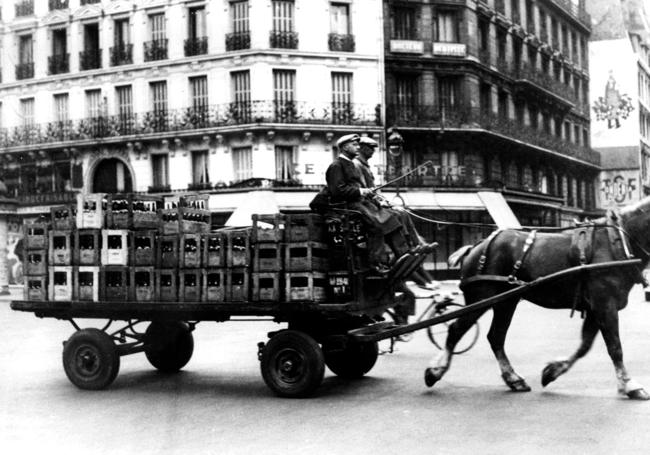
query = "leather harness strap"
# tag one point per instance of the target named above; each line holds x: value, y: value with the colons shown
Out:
x: 486, y: 246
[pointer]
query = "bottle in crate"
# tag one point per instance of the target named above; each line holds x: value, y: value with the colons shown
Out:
x: 146, y: 210
x: 115, y: 246
x: 167, y: 285
x: 306, y: 286
x: 144, y: 251
x: 119, y: 212
x: 214, y: 285
x: 193, y: 214
x: 35, y: 262
x: 60, y: 283
x: 167, y: 256
x: 91, y: 210
x: 305, y: 227
x: 191, y: 251
x: 237, y: 282
x: 266, y: 287
x: 143, y: 279
x: 190, y: 282
x: 63, y: 217
x: 116, y: 284
x: 268, y: 228
x: 238, y: 246
x: 35, y: 288
x: 169, y: 219
x: 267, y: 257
x: 86, y: 281
x: 306, y: 256
x: 214, y: 249
x: 35, y: 235
x: 61, y: 245
x: 87, y: 246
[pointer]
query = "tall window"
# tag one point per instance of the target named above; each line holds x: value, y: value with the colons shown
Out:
x: 239, y: 16
x: 158, y: 96
x: 93, y: 103
x: 283, y: 11
x: 57, y: 63
x: 27, y: 111
x: 515, y: 12
x: 285, y: 161
x: 196, y: 24
x: 448, y: 92
x: 90, y: 57
x: 241, y: 92
x: 449, y: 166
x: 61, y: 113
x: 25, y: 49
x: 484, y: 35
x: 516, y: 52
x: 406, y: 94
x: 121, y: 35
x: 200, y: 174
x: 199, y: 92
x: 284, y: 86
x: 341, y: 97
x: 403, y: 23
x: 124, y: 100
x: 160, y: 170
x: 503, y: 105
x: 447, y: 27
x: 156, y: 49
x: 501, y: 44
x: 340, y: 18
x: 242, y: 161
x: 157, y: 27
x: 486, y: 98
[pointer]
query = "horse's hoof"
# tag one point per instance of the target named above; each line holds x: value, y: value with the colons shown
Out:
x: 430, y: 377
x: 554, y: 370
x: 638, y: 394
x: 519, y: 385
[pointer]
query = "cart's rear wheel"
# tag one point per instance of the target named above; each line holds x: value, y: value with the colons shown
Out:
x: 90, y: 359
x: 292, y: 364
x: 354, y: 361
x: 168, y: 345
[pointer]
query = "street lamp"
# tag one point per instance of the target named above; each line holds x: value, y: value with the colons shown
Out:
x: 395, y: 149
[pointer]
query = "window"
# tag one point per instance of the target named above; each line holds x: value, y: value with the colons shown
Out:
x: 543, y: 27
x: 530, y: 16
x: 283, y: 15
x: 90, y: 57
x: 284, y: 86
x: 406, y: 91
x: 285, y: 162
x: 567, y: 131
x: 25, y: 49
x: 160, y: 170
x: 403, y: 23
x: 121, y: 35
x: 484, y: 35
x: 93, y: 103
x: 239, y: 16
x: 449, y: 166
x: 156, y: 49
x: 241, y: 92
x: 158, y: 96
x: 242, y: 161
x: 486, y: 98
x: 501, y: 44
x: 532, y: 57
x: 447, y: 27
x: 340, y: 18
x: 124, y: 99
x: 503, y: 104
x: 533, y: 117
x: 341, y: 97
x: 199, y: 92
x: 519, y: 112
x: 514, y: 11
x: 61, y: 113
x: 200, y: 174
x: 196, y: 25
x: 545, y: 64
x: 516, y: 52
x: 555, y: 32
x: 59, y: 41
x: 27, y: 111
x: 448, y: 92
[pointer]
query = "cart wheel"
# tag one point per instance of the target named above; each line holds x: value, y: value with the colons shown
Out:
x: 168, y: 345
x: 292, y: 364
x: 438, y: 333
x: 354, y: 361
x: 90, y: 359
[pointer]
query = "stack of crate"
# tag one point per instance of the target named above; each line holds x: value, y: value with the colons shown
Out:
x: 237, y: 242
x: 305, y: 258
x: 267, y: 267
x: 35, y: 241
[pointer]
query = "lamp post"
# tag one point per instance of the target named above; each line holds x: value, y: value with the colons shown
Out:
x: 395, y: 149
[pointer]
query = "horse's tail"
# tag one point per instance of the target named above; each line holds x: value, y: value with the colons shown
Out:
x: 456, y: 258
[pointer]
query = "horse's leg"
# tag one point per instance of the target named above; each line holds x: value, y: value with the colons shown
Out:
x: 557, y: 368
x: 440, y: 365
x: 497, y: 337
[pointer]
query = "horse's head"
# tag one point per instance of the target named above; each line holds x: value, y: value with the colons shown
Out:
x: 635, y: 220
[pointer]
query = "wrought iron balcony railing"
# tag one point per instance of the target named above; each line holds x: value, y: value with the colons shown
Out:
x: 58, y: 64
x: 25, y: 70
x: 122, y: 54
x: 434, y: 116
x: 188, y: 119
x: 90, y: 59
x: 155, y: 50
x: 59, y: 4
x: 25, y: 8
x: 283, y: 40
x: 545, y: 81
x: 237, y: 41
x: 575, y: 11
x: 341, y: 43
x: 196, y: 46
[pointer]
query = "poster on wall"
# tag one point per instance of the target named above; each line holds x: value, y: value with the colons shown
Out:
x: 619, y: 188
x: 613, y: 90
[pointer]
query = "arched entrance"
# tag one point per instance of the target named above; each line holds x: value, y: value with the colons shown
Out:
x: 112, y: 176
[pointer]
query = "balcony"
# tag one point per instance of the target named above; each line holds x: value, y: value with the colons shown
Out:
x: 536, y: 79
x: 122, y: 54
x: 171, y: 122
x: 576, y: 11
x: 155, y: 50
x: 340, y: 43
x: 434, y: 116
x: 58, y: 64
x: 25, y: 8
x: 90, y: 59
x: 238, y: 41
x: 196, y: 46
x: 59, y: 4
x: 25, y: 70
x: 283, y: 40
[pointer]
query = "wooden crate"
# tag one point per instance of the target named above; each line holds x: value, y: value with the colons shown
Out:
x: 144, y: 247
x: 214, y: 285
x: 266, y: 287
x: 190, y: 283
x: 306, y: 257
x: 86, y: 283
x: 146, y: 210
x: 115, y: 283
x: 35, y: 287
x: 268, y: 228
x: 214, y: 250
x: 194, y: 221
x: 87, y: 247
x: 167, y: 256
x: 90, y: 210
x: 305, y: 227
x: 191, y: 251
x: 310, y: 286
x: 63, y: 217
x: 267, y: 257
x: 339, y: 286
x: 35, y: 262
x: 237, y: 284
x: 61, y: 247
x: 143, y: 281
x: 35, y: 236
x: 119, y: 211
x: 167, y: 285
x: 194, y: 201
x: 116, y: 244
x: 60, y: 284
x: 169, y: 220
x: 238, y: 246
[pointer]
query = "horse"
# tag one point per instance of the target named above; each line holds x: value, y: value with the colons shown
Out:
x: 510, y: 257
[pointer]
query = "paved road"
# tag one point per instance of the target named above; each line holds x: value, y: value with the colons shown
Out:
x: 221, y: 405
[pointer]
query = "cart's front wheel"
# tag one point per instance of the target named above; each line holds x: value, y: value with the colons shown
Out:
x: 90, y: 359
x: 168, y: 345
x: 354, y: 361
x: 292, y: 364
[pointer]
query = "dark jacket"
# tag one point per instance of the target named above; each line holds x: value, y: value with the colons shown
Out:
x: 366, y: 174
